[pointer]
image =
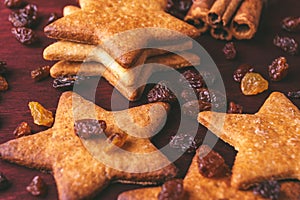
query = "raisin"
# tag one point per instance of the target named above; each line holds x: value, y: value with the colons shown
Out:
x: 278, y: 69
x: 211, y: 164
x: 89, y: 128
x: 172, y: 189
x: 235, y: 108
x: 268, y: 189
x: 189, y: 95
x: 192, y: 108
x: 3, y: 84
x: 24, y: 35
x: 161, y: 92
x: 192, y: 79
x: 185, y: 142
x: 116, y: 139
x: 295, y: 95
x: 52, y: 18
x: 22, y: 129
x: 14, y: 3
x: 291, y: 24
x: 178, y: 8
x: 216, y: 98
x: 37, y: 187
x: 4, y: 182
x: 40, y: 73
x: 41, y: 116
x: 26, y: 17
x: 287, y: 44
x: 229, y: 51
x: 241, y: 71
x: 253, y: 83
x: 68, y: 81
x: 3, y: 67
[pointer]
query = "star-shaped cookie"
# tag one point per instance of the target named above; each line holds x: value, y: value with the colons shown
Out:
x: 268, y: 142
x: 122, y: 28
x: 198, y: 187
x: 80, y: 167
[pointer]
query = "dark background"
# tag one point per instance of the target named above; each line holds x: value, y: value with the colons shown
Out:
x: 259, y: 52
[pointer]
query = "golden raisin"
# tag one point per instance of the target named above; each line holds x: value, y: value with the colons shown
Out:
x: 41, y: 116
x: 253, y: 83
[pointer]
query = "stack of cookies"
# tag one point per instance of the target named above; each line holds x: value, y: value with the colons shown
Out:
x: 123, y: 41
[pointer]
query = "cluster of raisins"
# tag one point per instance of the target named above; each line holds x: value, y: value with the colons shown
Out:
x: 24, y: 20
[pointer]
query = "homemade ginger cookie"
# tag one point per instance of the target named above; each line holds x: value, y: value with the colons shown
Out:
x: 122, y: 28
x: 198, y: 187
x: 80, y: 167
x: 267, y: 142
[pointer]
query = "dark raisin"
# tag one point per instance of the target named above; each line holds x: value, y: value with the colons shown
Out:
x: 192, y: 79
x: 235, y: 108
x: 178, y: 8
x: 216, y: 98
x: 291, y: 24
x: 68, y: 81
x: 185, y: 142
x: 37, y: 187
x: 295, y: 95
x: 3, y: 84
x: 287, y: 44
x: 22, y: 129
x: 4, y: 182
x: 161, y: 92
x: 172, y: 190
x: 14, y: 3
x: 241, y: 71
x: 26, y: 17
x: 89, y: 128
x: 3, y: 67
x: 24, y: 35
x: 52, y: 18
x: 192, y: 108
x: 211, y: 164
x: 40, y: 73
x: 229, y: 51
x: 268, y: 189
x: 278, y: 69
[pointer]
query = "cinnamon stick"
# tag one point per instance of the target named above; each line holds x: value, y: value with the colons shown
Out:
x: 245, y: 23
x: 198, y: 12
x: 221, y: 33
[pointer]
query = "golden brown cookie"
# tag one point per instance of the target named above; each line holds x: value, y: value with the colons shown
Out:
x: 106, y: 22
x: 80, y: 167
x: 198, y: 187
x: 267, y: 142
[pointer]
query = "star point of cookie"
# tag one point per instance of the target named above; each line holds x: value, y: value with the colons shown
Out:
x: 76, y: 164
x: 268, y: 142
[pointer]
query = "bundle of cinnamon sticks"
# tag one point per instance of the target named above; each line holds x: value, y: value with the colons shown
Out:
x: 226, y: 18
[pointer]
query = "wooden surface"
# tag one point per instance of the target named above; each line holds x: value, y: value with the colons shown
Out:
x: 258, y: 52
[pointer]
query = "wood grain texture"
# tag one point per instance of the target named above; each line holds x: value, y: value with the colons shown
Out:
x: 259, y: 52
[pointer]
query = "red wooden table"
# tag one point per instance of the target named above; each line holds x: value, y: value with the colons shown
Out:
x: 259, y: 52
